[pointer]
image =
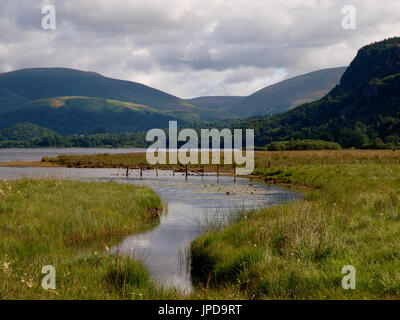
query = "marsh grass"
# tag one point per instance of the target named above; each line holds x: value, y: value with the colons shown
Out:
x: 218, y: 220
x: 349, y: 216
x: 263, y: 159
x: 71, y: 225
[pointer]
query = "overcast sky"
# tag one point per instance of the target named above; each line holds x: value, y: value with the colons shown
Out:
x: 192, y: 47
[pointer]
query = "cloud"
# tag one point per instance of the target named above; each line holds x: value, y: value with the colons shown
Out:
x: 192, y: 47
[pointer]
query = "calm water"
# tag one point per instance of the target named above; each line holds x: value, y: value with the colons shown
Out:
x: 36, y: 154
x: 189, y: 203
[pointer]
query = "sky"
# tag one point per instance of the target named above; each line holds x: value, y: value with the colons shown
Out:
x: 192, y: 48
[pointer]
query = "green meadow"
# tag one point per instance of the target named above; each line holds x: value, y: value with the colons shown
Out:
x: 71, y: 225
x: 349, y: 215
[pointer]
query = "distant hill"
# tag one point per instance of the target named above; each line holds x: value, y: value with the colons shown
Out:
x: 25, y: 131
x: 28, y: 135
x: 19, y: 87
x: 9, y: 99
x: 279, y: 97
x: 362, y: 111
x: 83, y: 115
x: 217, y: 102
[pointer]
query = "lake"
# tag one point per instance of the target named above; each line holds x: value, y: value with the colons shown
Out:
x: 189, y: 203
x: 36, y: 154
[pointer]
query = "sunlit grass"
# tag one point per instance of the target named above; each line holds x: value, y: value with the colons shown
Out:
x: 263, y: 159
x: 71, y: 225
x: 350, y: 216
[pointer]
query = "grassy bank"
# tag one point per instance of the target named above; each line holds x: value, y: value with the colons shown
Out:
x: 70, y: 225
x: 350, y: 215
x: 263, y: 159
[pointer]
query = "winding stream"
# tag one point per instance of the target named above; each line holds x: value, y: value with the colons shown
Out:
x: 189, y: 203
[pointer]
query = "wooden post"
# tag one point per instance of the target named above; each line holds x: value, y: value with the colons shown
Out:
x: 156, y: 170
x: 234, y: 172
x: 173, y: 172
x: 141, y: 171
x: 127, y: 171
x: 217, y: 170
x: 202, y: 171
x: 186, y: 171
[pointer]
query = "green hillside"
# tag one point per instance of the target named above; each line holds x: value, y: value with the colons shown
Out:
x: 83, y: 115
x: 27, y: 135
x: 9, y: 99
x: 25, y: 131
x: 43, y: 83
x: 364, y: 110
x: 279, y: 97
x: 217, y: 102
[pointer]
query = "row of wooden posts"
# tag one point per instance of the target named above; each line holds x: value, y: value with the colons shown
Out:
x: 186, y: 171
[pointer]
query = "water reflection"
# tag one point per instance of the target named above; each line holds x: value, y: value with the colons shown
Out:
x: 189, y: 203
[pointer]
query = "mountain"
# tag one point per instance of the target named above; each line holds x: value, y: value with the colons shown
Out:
x: 217, y: 102
x: 279, y: 97
x: 9, y: 99
x: 20, y: 87
x: 83, y: 115
x: 362, y: 111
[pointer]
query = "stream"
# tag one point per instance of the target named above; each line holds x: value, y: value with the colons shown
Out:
x: 189, y: 205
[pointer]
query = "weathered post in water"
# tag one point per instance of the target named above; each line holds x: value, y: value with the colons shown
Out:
x: 186, y: 171
x: 141, y: 171
x: 127, y: 171
x: 156, y: 170
x: 234, y: 172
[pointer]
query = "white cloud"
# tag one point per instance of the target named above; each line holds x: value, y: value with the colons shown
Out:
x: 192, y: 47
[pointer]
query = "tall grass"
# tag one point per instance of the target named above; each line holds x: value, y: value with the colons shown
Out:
x: 71, y: 225
x: 350, y: 216
x: 263, y: 159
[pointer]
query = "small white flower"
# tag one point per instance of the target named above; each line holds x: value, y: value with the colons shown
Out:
x: 6, y: 267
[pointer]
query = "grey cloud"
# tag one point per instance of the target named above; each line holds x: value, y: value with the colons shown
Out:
x: 196, y: 47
